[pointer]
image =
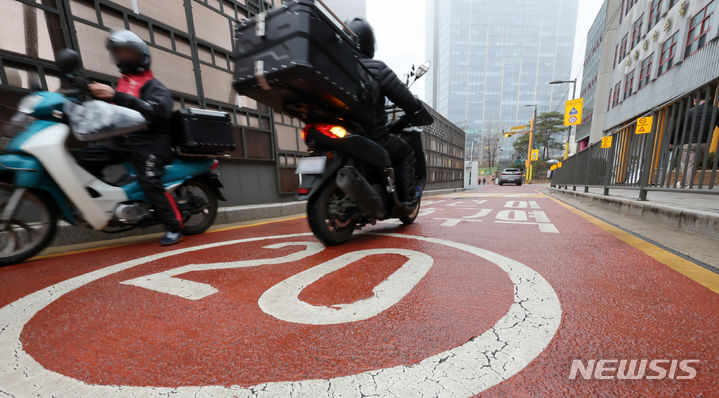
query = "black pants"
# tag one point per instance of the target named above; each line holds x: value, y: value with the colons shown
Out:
x: 149, y: 166
x: 404, y: 162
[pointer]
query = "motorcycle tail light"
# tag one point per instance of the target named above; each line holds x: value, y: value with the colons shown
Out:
x: 330, y: 130
x: 303, y: 191
x: 215, y: 164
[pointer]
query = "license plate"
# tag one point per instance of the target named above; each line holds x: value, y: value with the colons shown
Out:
x: 313, y: 165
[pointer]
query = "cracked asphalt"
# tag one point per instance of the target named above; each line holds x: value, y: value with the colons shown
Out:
x: 493, y: 292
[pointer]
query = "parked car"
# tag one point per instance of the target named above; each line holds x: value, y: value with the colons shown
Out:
x: 510, y: 176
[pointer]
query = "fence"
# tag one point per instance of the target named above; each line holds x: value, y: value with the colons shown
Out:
x: 677, y: 154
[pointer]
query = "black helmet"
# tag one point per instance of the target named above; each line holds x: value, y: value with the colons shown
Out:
x: 127, y: 39
x: 365, y: 35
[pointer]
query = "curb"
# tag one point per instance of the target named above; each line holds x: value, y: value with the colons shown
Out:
x: 696, y: 221
x: 70, y: 235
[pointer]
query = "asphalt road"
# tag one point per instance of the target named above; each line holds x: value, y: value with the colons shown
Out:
x: 500, y: 292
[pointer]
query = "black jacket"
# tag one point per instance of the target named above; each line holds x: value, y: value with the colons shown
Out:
x: 386, y: 84
x: 155, y: 104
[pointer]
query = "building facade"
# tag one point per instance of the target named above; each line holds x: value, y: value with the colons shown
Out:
x: 597, y: 73
x: 490, y: 59
x: 348, y: 9
x: 664, y: 49
x: 191, y: 44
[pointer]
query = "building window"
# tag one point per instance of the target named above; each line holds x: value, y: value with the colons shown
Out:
x: 637, y: 30
x: 617, y: 93
x: 666, y: 59
x: 630, y: 4
x: 623, y: 47
x: 645, y: 72
x: 609, y: 100
x: 672, y: 3
x: 698, y: 29
x: 621, y: 12
x: 655, y: 12
x: 629, y: 84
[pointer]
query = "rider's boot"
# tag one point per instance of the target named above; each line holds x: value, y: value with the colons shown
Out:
x: 171, y: 238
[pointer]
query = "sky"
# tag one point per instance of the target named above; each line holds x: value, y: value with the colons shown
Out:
x: 400, y: 29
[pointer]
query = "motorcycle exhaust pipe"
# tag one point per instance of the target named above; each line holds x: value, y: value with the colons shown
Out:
x: 356, y: 187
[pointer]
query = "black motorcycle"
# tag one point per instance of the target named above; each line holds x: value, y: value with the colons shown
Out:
x: 349, y: 181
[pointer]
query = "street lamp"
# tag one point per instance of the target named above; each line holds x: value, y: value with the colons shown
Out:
x: 418, y: 73
x: 574, y: 93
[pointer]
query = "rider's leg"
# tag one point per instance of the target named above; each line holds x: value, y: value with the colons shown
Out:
x: 150, y: 168
x: 404, y: 162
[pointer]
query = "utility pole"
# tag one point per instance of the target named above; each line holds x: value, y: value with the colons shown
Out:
x: 528, y: 164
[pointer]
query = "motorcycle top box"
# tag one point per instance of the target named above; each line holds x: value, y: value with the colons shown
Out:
x: 296, y: 60
x: 202, y: 132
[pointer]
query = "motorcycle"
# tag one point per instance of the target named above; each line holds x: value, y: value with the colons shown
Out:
x: 41, y: 182
x: 349, y: 182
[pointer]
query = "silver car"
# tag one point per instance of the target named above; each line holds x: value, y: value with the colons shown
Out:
x: 510, y: 176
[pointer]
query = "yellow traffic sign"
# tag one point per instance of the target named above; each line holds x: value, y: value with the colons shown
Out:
x: 535, y: 155
x: 644, y: 125
x: 515, y: 128
x: 573, y: 112
x: 607, y: 142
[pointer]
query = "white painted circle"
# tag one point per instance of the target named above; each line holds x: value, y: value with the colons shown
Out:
x: 484, y: 361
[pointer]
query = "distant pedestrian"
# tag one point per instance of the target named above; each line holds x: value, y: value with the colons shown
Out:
x: 696, y: 140
x: 484, y: 181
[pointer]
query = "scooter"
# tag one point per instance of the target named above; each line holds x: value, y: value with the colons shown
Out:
x: 349, y: 182
x: 41, y: 182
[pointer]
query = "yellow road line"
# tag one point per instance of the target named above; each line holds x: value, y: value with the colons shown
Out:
x: 695, y: 272
x: 139, y: 239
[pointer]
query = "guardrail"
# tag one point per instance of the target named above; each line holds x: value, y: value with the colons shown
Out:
x: 676, y: 153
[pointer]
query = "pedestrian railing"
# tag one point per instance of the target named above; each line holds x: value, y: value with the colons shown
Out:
x: 672, y: 148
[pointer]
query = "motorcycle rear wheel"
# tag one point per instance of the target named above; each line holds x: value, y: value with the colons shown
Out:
x: 31, y: 230
x: 322, y: 223
x: 198, y: 196
x: 410, y: 219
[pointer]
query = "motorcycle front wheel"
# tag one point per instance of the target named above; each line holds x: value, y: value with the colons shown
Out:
x: 30, y: 229
x: 329, y: 227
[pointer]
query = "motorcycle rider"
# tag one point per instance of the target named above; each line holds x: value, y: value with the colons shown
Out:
x: 148, y: 151
x: 386, y: 84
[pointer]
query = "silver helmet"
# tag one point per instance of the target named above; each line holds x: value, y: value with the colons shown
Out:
x: 129, y: 40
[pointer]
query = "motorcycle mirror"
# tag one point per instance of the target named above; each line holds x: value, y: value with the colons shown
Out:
x: 68, y: 61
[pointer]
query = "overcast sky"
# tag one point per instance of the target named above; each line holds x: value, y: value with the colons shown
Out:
x: 400, y: 29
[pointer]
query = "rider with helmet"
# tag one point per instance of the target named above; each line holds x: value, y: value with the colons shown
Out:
x: 386, y: 84
x: 150, y: 150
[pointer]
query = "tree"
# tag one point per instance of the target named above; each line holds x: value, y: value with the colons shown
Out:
x: 547, y: 129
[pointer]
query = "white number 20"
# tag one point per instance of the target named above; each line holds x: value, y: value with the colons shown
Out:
x: 282, y: 300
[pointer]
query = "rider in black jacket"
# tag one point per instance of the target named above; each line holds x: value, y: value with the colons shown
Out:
x: 386, y: 84
x: 148, y: 151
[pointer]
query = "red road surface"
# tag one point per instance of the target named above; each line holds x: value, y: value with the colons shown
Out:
x: 616, y: 303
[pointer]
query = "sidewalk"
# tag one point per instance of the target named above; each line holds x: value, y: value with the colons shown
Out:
x: 691, y: 201
x: 697, y: 213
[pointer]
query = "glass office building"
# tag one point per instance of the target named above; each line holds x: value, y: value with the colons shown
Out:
x: 191, y: 44
x: 492, y: 58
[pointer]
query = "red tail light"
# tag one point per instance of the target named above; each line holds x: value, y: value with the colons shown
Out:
x: 214, y: 164
x: 330, y: 130
x: 303, y: 191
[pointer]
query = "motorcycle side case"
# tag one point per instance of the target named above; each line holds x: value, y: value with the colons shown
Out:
x: 296, y: 60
